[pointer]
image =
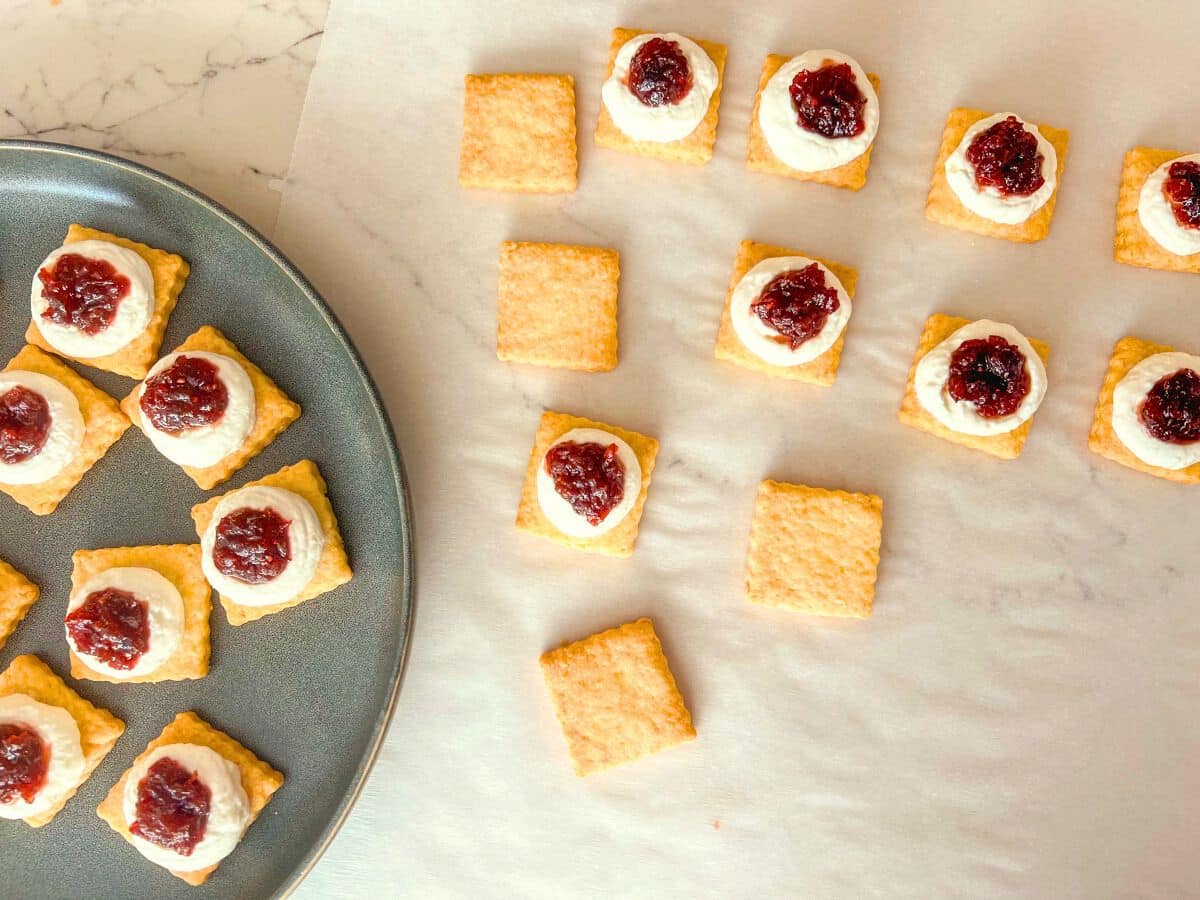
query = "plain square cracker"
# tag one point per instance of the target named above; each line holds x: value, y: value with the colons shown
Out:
x: 761, y: 158
x: 1128, y: 352
x: 17, y: 595
x: 820, y: 371
x: 259, y: 780
x: 814, y: 550
x: 558, y: 306
x: 615, y: 697
x: 621, y: 539
x: 274, y: 411
x: 697, y: 148
x: 1008, y: 445
x: 1132, y: 245
x: 98, y: 728
x: 519, y: 133
x: 103, y: 424
x: 180, y: 565
x: 333, y: 569
x: 944, y: 207
x: 170, y: 273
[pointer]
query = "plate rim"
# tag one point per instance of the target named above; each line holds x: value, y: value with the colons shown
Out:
x: 407, y: 552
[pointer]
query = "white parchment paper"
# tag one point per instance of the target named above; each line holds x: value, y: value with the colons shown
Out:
x: 1018, y: 719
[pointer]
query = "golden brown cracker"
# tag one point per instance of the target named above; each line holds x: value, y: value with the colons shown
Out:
x: 819, y: 371
x: 17, y: 595
x: 519, y: 133
x: 1132, y: 245
x: 615, y: 697
x: 814, y: 550
x: 558, y: 306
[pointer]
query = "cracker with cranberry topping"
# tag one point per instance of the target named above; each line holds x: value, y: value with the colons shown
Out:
x: 697, y: 148
x: 819, y: 371
x: 274, y: 411
x: 621, y: 539
x: 1006, y: 445
x: 98, y: 728
x: 519, y: 133
x: 1132, y: 245
x: 259, y: 780
x: 558, y: 306
x: 103, y: 423
x: 17, y: 595
x: 615, y: 697
x: 333, y: 568
x: 180, y: 565
x: 1128, y: 352
x: 170, y: 273
x: 814, y: 550
x: 943, y: 206
x: 761, y: 158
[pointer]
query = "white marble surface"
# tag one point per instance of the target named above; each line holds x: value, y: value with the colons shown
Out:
x: 1019, y: 717
x: 209, y: 92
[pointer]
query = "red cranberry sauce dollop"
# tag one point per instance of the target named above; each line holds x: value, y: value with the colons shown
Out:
x: 1171, y: 410
x: 111, y: 625
x: 797, y: 304
x: 24, y: 424
x: 659, y: 73
x: 252, y: 545
x: 589, y: 476
x: 827, y: 100
x: 1182, y: 190
x: 172, y: 807
x: 189, y: 393
x: 81, y: 292
x: 1006, y: 158
x: 990, y: 373
x: 24, y: 761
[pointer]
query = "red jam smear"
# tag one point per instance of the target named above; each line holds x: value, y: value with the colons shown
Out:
x: 189, y: 393
x: 252, y: 545
x: 827, y: 100
x: 1006, y: 158
x: 1171, y: 410
x: 82, y: 293
x: 797, y: 304
x: 989, y: 373
x: 24, y: 761
x: 659, y: 73
x: 24, y: 424
x: 1182, y: 190
x: 172, y: 807
x: 590, y: 476
x: 111, y: 625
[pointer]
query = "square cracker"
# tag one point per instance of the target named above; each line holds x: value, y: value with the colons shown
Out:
x: 1008, y: 445
x: 170, y: 274
x: 1128, y: 352
x: 697, y: 148
x: 259, y: 780
x: 620, y: 540
x: 519, y: 134
x: 820, y: 371
x: 180, y: 565
x: 17, y: 595
x: 761, y: 158
x: 944, y: 207
x: 304, y: 478
x: 558, y: 306
x: 814, y: 550
x: 98, y: 728
x: 103, y: 423
x: 1132, y: 245
x: 615, y: 697
x: 274, y: 411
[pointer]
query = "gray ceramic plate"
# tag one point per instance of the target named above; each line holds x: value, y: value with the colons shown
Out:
x: 310, y: 689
